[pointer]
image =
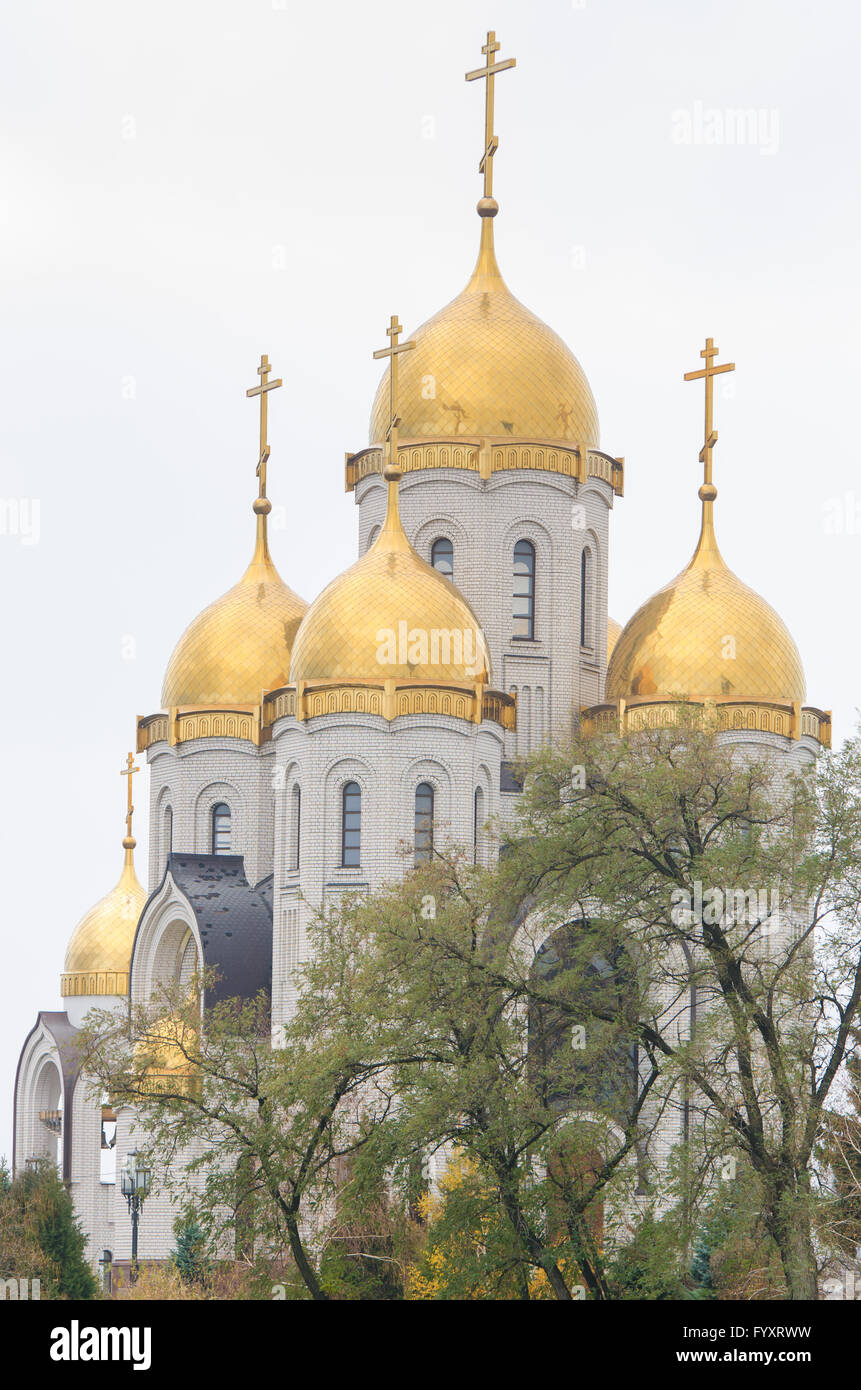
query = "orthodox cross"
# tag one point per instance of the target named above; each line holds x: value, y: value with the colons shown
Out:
x: 392, y: 351
x: 491, y: 68
x: 128, y: 771
x: 265, y: 386
x: 707, y: 374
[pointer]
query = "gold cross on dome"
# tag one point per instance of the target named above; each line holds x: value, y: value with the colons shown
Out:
x: 129, y: 771
x: 393, y: 331
x: 265, y: 386
x: 489, y: 71
x: 707, y: 374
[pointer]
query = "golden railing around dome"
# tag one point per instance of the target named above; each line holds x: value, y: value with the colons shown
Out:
x: 486, y: 456
x: 790, y: 720
x: 183, y: 725
x: 389, y: 699
x: 94, y: 982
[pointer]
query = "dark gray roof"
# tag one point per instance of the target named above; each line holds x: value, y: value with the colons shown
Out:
x: 234, y: 920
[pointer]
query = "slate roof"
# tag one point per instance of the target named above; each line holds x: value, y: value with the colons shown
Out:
x: 234, y: 920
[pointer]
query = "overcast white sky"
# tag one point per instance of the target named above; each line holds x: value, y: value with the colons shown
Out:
x: 188, y: 184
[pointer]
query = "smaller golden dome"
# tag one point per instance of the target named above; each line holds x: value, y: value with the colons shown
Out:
x: 100, y: 950
x: 706, y: 635
x: 614, y: 632
x: 391, y: 616
x: 485, y: 365
x: 240, y: 645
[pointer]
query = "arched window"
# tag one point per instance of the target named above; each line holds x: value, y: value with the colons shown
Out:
x: 523, y: 610
x: 351, y: 825
x: 221, y: 828
x: 375, y: 531
x: 295, y: 825
x: 424, y: 822
x: 477, y: 823
x: 168, y: 831
x: 586, y: 597
x: 442, y: 556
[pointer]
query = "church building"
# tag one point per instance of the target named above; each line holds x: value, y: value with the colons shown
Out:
x: 300, y: 751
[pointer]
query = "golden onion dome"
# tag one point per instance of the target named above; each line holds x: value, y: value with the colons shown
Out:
x: 614, y: 632
x: 391, y: 616
x: 241, y: 644
x: 706, y: 635
x: 99, y: 952
x: 485, y: 365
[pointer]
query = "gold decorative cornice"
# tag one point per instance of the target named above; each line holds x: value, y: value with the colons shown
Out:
x: 310, y: 700
x: 181, y: 726
x: 94, y: 982
x: 790, y: 720
x: 488, y: 455
x: 390, y: 700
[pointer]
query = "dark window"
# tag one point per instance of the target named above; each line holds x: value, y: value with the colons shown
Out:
x: 442, y: 556
x: 168, y: 830
x: 477, y: 823
x: 221, y: 828
x: 424, y: 822
x: 524, y: 590
x: 296, y: 827
x: 351, y: 825
x: 586, y: 598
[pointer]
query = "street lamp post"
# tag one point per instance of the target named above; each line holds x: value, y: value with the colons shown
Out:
x: 135, y: 1184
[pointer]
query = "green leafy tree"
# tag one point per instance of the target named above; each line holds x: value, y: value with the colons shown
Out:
x: 40, y: 1237
x: 661, y: 818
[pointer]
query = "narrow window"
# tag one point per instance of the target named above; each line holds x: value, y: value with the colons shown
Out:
x: 295, y: 826
x: 168, y: 831
x: 586, y: 598
x: 221, y: 828
x: 442, y: 556
x: 524, y: 591
x: 424, y: 822
x: 477, y: 823
x: 375, y: 531
x: 351, y: 825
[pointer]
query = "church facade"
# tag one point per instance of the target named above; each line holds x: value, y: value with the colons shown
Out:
x: 301, y: 752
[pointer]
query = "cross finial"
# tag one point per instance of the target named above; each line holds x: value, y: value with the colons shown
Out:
x: 129, y: 771
x: 391, y: 470
x: 262, y: 391
x: 488, y: 207
x: 707, y: 374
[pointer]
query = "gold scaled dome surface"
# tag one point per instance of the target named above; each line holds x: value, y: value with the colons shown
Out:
x: 240, y: 645
x: 706, y: 635
x: 102, y: 941
x: 391, y: 616
x: 485, y: 365
x: 614, y: 632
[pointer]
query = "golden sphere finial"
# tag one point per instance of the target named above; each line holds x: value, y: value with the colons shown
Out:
x: 392, y: 473
x: 261, y: 506
x: 129, y: 842
x: 707, y: 493
x: 487, y: 207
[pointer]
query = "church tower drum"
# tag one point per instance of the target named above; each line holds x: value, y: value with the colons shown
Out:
x: 505, y: 488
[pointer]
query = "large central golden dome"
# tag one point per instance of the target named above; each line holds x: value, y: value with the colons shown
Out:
x: 240, y: 645
x: 706, y: 635
x: 484, y: 365
x: 391, y: 616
